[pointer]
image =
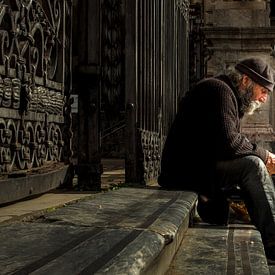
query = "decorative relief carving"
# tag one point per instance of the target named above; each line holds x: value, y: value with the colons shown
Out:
x: 183, y: 6
x: 30, y: 39
x: 32, y: 95
x: 150, y: 154
x: 28, y: 145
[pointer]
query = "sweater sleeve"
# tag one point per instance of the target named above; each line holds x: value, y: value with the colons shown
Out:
x: 230, y: 141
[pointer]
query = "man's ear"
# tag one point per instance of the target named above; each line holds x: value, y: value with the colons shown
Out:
x: 245, y: 80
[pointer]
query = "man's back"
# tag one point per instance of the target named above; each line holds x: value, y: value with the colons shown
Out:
x: 198, y: 136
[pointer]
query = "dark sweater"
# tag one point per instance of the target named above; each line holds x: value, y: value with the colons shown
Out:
x: 206, y: 129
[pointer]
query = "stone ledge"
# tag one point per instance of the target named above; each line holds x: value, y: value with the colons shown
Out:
x: 122, y: 231
x: 13, y: 189
x: 236, y: 249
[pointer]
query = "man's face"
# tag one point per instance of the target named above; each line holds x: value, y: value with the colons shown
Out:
x: 253, y: 95
x: 260, y: 93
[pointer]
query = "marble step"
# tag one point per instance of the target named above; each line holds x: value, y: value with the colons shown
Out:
x: 233, y: 249
x: 125, y: 231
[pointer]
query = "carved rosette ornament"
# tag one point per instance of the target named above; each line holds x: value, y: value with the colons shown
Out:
x: 32, y: 95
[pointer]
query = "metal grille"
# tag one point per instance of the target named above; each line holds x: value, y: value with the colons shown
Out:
x: 156, y: 56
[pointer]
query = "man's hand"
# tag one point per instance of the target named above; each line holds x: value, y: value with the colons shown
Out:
x: 270, y: 164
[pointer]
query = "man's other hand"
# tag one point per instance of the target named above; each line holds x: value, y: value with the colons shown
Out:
x: 270, y: 164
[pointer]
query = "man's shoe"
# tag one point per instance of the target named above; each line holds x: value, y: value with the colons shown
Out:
x: 213, y: 211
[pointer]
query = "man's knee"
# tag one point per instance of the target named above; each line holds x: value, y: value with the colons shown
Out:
x: 253, y: 164
x: 255, y: 173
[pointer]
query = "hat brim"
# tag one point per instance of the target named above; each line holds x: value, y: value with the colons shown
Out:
x: 259, y: 79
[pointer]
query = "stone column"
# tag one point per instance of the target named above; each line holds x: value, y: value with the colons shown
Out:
x: 88, y: 84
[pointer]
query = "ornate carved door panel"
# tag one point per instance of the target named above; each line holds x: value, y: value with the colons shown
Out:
x: 34, y: 94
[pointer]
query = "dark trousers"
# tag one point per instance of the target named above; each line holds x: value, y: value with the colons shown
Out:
x: 257, y: 189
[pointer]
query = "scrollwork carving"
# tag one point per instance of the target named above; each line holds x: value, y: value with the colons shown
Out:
x: 32, y: 96
x: 31, y: 37
x: 29, y: 145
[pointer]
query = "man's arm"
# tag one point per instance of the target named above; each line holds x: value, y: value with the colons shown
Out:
x: 231, y: 142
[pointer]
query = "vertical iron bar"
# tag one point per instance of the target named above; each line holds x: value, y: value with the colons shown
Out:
x: 154, y: 113
x: 131, y: 28
x: 147, y: 71
x: 145, y: 63
x: 140, y: 63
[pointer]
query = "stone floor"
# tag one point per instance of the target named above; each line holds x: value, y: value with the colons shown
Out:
x: 113, y: 175
x: 123, y: 231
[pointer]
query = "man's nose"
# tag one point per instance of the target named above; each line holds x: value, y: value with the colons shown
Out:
x: 263, y: 99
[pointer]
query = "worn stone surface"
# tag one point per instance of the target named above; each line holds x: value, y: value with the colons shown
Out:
x: 26, y: 209
x: 90, y: 255
x: 160, y: 211
x: 225, y: 250
x: 134, y: 258
x: 168, y: 223
x: 126, y: 231
x: 121, y: 231
x: 23, y: 244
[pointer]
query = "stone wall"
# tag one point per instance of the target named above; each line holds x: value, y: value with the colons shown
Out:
x: 241, y: 14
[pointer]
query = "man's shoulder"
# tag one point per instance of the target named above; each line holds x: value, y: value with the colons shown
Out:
x: 214, y: 81
x: 215, y: 85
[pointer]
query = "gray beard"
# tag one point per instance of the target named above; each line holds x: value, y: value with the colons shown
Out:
x: 246, y: 100
x: 253, y: 106
x: 246, y: 104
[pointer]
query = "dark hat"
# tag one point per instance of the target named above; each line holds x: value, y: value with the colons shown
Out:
x: 258, y: 71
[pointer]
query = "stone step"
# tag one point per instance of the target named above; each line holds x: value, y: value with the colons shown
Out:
x: 126, y: 231
x: 233, y: 249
